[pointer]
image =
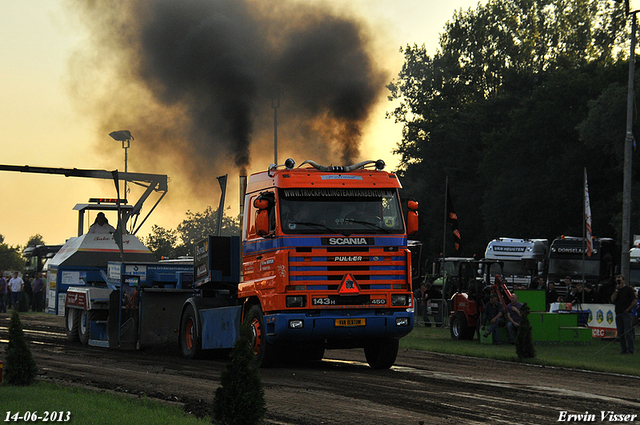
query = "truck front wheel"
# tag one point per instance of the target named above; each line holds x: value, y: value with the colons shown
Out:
x: 71, y: 323
x: 189, y: 334
x: 263, y: 352
x: 382, y: 354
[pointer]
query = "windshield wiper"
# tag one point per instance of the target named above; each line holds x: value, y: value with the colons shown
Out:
x: 319, y: 226
x: 375, y: 226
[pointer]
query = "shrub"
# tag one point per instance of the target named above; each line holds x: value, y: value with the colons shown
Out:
x: 240, y: 398
x: 524, y: 340
x: 19, y: 366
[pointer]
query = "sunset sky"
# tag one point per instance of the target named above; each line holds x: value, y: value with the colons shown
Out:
x: 50, y: 115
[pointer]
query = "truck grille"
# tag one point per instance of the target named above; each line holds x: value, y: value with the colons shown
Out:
x: 324, y: 268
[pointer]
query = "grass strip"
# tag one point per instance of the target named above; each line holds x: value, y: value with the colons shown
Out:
x: 86, y: 407
x: 600, y: 355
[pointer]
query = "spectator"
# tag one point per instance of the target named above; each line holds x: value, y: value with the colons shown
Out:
x: 571, y: 294
x: 28, y: 290
x: 635, y: 314
x: 537, y: 283
x: 578, y: 295
x: 16, y: 284
x: 590, y: 296
x: 551, y: 295
x: 3, y: 293
x: 513, y: 318
x: 625, y: 300
x: 38, y: 293
x: 494, y: 313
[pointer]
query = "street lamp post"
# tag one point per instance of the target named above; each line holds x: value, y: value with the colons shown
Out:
x: 125, y: 137
x: 633, y: 7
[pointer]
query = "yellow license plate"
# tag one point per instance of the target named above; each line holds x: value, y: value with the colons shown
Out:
x: 350, y: 322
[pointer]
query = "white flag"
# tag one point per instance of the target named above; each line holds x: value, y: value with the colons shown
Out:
x: 587, y: 215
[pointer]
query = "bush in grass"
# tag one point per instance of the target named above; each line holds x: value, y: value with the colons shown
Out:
x: 524, y: 340
x: 240, y: 398
x: 19, y: 366
x: 23, y: 305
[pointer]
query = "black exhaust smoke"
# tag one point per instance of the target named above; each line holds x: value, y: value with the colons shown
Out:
x: 194, y: 80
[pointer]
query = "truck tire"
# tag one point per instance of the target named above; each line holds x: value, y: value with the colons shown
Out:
x: 71, y: 324
x: 460, y: 330
x: 382, y: 354
x: 190, y: 338
x: 264, y: 353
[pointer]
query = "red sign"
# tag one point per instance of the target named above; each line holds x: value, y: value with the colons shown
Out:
x: 349, y: 286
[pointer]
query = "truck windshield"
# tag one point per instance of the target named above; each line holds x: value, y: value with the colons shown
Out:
x: 568, y: 267
x: 344, y: 211
x: 515, y: 268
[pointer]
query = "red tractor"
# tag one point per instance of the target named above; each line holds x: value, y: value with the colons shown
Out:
x: 472, y: 288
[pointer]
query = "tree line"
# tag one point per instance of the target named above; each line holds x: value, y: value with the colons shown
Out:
x: 520, y: 97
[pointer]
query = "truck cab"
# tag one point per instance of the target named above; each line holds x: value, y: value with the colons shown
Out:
x: 325, y: 261
x: 523, y: 259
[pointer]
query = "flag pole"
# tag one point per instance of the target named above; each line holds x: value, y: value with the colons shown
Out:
x: 444, y: 227
x: 584, y: 224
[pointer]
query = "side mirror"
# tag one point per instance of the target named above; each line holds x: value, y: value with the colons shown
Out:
x: 412, y: 218
x: 262, y: 215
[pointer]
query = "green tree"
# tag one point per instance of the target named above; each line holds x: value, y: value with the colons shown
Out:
x: 19, y: 366
x: 162, y: 242
x: 35, y: 240
x: 10, y: 257
x: 198, y: 225
x: 179, y: 242
x: 240, y: 398
x: 496, y: 109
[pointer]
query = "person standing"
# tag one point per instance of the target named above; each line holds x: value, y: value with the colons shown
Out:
x: 493, y: 312
x: 513, y: 318
x: 16, y: 284
x: 624, y: 299
x: 38, y: 293
x: 3, y: 293
x: 551, y: 294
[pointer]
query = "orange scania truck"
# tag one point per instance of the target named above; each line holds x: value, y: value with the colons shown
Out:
x: 325, y: 265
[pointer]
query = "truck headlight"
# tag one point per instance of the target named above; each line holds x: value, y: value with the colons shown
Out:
x: 295, y: 301
x: 398, y: 299
x: 402, y: 321
x: 296, y: 324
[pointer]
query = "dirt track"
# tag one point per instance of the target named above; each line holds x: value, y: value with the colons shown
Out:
x: 422, y: 387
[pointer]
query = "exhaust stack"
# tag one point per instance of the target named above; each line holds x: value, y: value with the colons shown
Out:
x: 243, y: 191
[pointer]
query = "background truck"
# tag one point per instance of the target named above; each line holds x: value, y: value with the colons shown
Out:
x: 323, y: 263
x: 36, y: 256
x: 566, y: 258
x: 523, y: 259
